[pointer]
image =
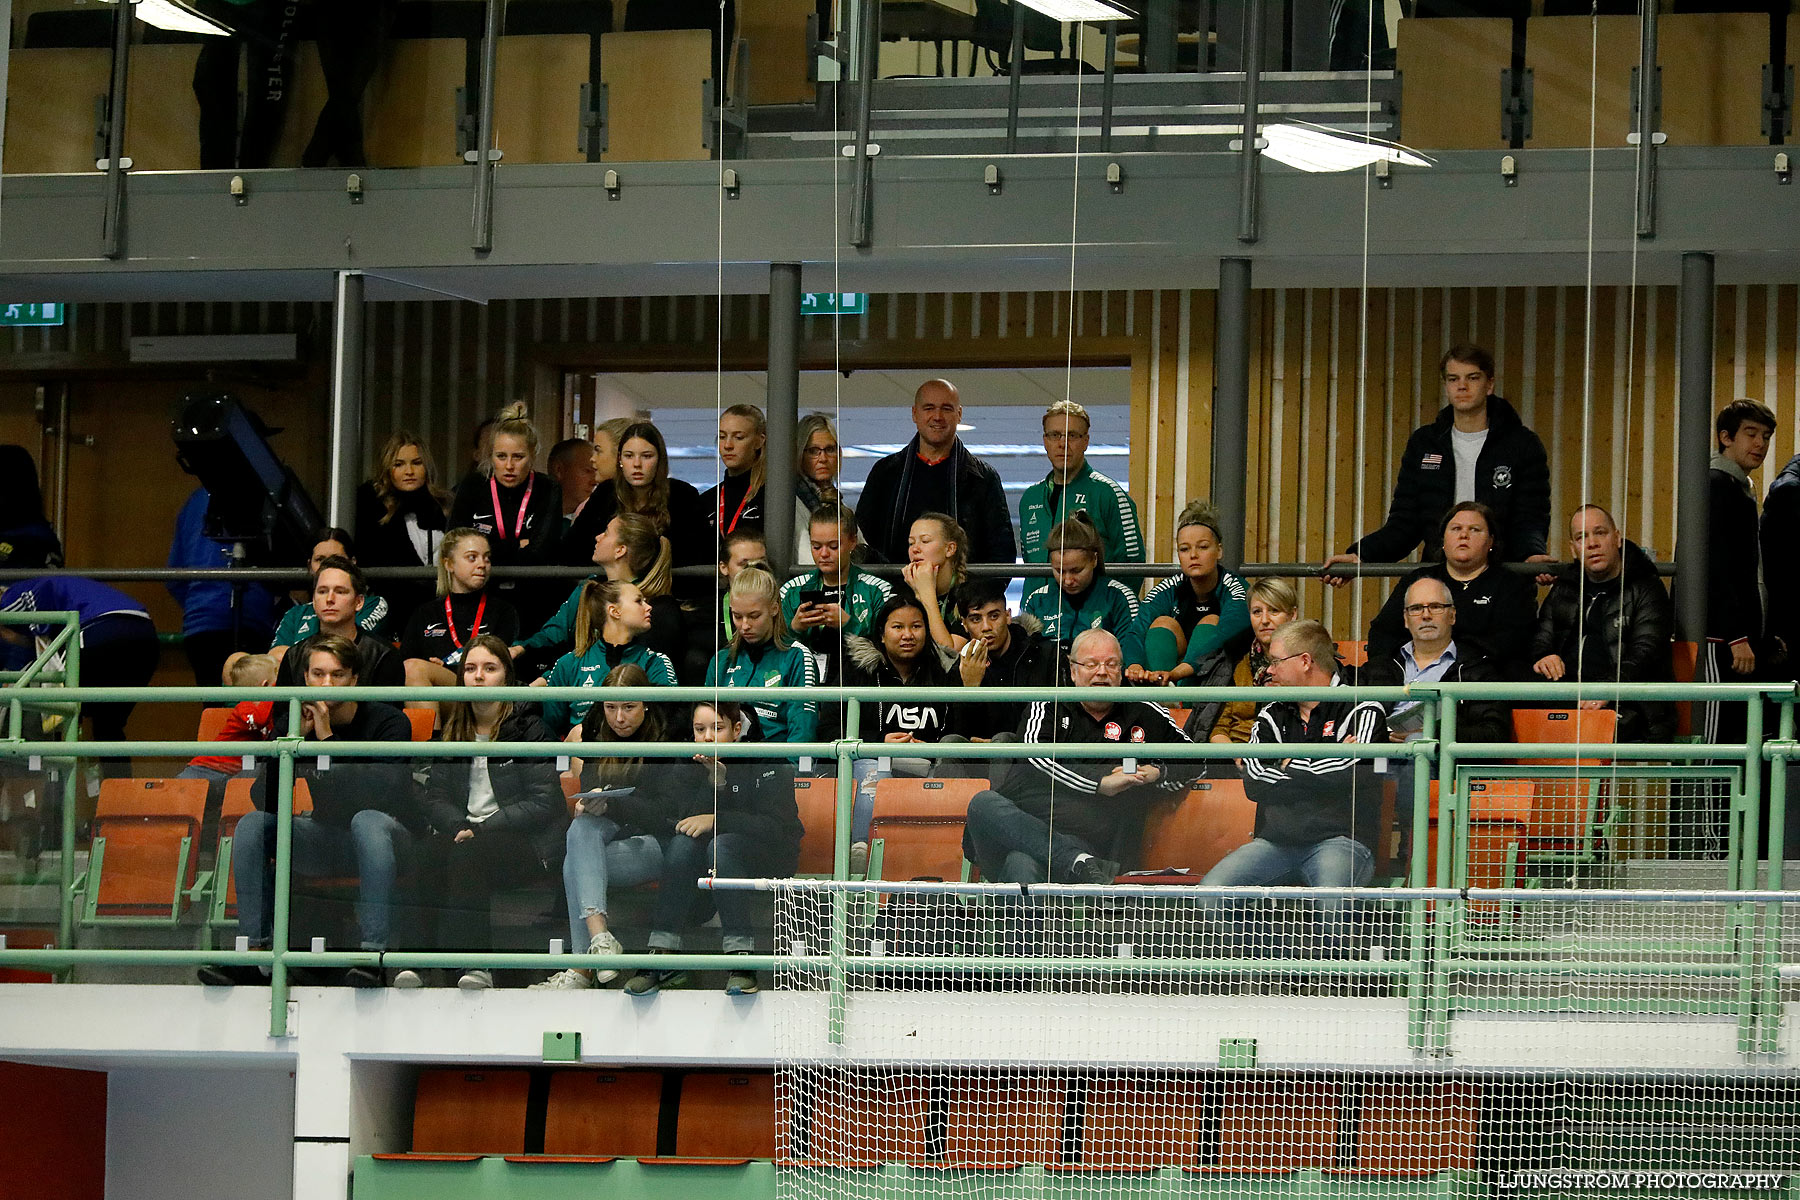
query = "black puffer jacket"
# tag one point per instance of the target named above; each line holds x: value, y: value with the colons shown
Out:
x: 1613, y: 631
x: 866, y: 666
x: 526, y: 789
x: 1781, y: 566
x: 1512, y: 477
x: 756, y: 800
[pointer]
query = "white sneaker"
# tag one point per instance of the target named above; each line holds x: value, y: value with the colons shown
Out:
x: 563, y: 981
x: 476, y: 981
x: 408, y: 979
x: 605, y: 943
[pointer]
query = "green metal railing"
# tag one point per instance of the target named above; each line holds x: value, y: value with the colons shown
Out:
x: 1431, y: 918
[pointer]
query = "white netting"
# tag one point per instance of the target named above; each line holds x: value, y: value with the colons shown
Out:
x: 1077, y: 1041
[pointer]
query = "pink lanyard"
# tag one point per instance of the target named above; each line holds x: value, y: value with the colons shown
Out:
x: 524, y: 507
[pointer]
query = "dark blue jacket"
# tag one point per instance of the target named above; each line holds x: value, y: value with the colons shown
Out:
x: 206, y: 607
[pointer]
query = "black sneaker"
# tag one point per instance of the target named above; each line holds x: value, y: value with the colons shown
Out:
x: 1093, y: 870
x: 646, y: 983
x: 365, y: 977
x: 211, y: 975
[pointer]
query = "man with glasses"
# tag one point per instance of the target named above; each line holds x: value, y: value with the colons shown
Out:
x: 1074, y: 486
x: 1317, y: 819
x: 1433, y: 655
x: 363, y: 820
x: 1060, y: 817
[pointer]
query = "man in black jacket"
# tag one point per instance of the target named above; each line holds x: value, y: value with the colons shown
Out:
x: 1317, y: 819
x: 1607, y: 619
x: 1432, y: 655
x: 363, y: 819
x: 1781, y: 567
x: 1476, y: 449
x: 1734, y: 602
x: 936, y: 473
x: 1059, y: 816
x: 1001, y: 652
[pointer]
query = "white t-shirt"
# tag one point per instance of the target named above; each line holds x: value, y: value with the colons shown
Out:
x: 1467, y: 448
x: 482, y: 804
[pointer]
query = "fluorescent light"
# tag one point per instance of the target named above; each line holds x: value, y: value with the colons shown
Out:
x: 1081, y: 10
x: 1315, y: 148
x: 172, y: 15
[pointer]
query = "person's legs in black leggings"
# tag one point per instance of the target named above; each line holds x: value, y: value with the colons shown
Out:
x: 116, y: 652
x: 216, y: 89
x: 352, y: 36
x: 468, y: 874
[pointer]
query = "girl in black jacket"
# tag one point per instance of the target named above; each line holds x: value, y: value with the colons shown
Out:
x: 737, y: 819
x: 906, y: 656
x: 400, y: 516
x: 520, y: 509
x: 613, y: 841
x: 496, y: 822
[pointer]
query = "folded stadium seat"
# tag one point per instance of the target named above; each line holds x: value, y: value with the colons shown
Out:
x: 224, y: 890
x: 1450, y: 95
x: 1353, y: 654
x: 1416, y: 1127
x: 1684, y: 658
x: 143, y: 863
x: 781, y: 55
x: 1566, y: 83
x: 656, y: 95
x: 212, y: 723
x: 461, y: 1114
x: 1196, y: 831
x: 51, y: 95
x: 540, y: 110
x: 725, y: 1119
x: 1002, y: 1120
x: 423, y: 720
x: 1139, y: 1122
x: 917, y: 827
x: 1278, y: 1123
x: 817, y: 801
x: 1569, y: 816
x: 411, y: 113
x: 828, y: 1123
x: 601, y: 1115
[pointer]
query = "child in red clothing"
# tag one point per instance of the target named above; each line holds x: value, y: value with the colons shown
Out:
x: 249, y: 722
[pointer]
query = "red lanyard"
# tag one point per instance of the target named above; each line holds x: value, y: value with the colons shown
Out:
x: 734, y: 516
x: 474, y: 630
x: 524, y: 507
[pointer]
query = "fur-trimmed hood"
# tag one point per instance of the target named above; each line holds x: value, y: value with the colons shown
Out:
x: 865, y: 655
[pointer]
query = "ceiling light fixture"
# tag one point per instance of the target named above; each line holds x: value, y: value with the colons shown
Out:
x: 1318, y: 149
x: 177, y: 17
x: 1082, y: 10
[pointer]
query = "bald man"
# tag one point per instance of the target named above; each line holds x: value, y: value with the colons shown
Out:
x: 936, y: 473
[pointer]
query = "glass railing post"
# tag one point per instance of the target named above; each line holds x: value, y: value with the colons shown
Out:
x: 840, y: 851
x: 1418, y: 961
x: 1451, y: 832
x: 1769, y: 1039
x: 284, y: 856
x: 65, y: 919
x: 1751, y: 984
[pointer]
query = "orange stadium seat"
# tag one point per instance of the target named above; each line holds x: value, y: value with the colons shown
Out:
x: 917, y: 828
x: 1199, y: 829
x: 146, y: 847
x: 726, y: 1117
x: 817, y: 801
x: 456, y: 1111
x: 609, y: 1114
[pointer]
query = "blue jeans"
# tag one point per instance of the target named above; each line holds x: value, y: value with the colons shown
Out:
x: 595, y: 857
x: 1334, y: 862
x: 1012, y: 846
x: 372, y: 849
x: 679, y: 903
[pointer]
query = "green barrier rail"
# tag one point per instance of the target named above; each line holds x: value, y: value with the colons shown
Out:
x: 1431, y: 923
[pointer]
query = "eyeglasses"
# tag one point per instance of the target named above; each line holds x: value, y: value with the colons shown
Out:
x: 1426, y: 610
x: 1098, y: 664
x: 1275, y: 662
x: 821, y: 451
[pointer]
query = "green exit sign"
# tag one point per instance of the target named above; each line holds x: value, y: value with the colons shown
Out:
x: 35, y: 314
x: 820, y: 304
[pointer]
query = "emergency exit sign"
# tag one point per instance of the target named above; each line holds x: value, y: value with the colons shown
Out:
x: 39, y: 314
x: 822, y: 304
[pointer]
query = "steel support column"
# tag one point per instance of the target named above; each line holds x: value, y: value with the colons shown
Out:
x: 1694, y: 445
x: 783, y: 411
x: 347, y: 347
x: 1231, y: 404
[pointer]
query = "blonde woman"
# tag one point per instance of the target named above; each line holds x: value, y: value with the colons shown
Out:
x: 442, y: 628
x: 737, y: 501
x: 518, y: 507
x: 763, y: 654
x: 401, y: 515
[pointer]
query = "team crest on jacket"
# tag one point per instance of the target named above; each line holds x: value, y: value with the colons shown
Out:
x: 1112, y: 731
x: 1502, y: 477
x: 1137, y: 733
x: 1330, y: 727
